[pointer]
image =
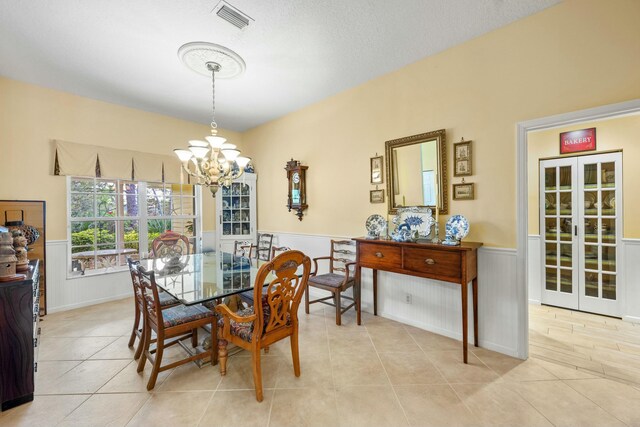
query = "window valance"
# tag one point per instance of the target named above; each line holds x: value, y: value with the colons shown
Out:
x: 75, y: 159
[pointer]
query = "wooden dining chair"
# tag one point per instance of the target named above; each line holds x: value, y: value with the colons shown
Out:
x: 261, y: 325
x: 178, y: 322
x: 278, y: 249
x: 262, y: 248
x: 241, y: 248
x: 166, y: 301
x: 339, y: 278
x: 170, y: 245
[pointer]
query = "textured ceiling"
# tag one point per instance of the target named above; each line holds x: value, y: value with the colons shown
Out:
x: 297, y: 51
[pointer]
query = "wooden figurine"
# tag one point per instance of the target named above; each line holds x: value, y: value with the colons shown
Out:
x: 20, y: 246
x: 7, y: 255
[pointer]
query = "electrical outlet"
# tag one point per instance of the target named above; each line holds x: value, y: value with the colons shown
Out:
x: 408, y: 298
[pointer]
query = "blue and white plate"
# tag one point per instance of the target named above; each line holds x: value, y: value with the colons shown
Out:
x: 457, y: 227
x: 375, y: 225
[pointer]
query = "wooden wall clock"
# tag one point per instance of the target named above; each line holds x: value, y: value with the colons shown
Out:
x: 297, y: 197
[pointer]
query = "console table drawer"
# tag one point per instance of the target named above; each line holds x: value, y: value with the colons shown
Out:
x: 375, y: 254
x: 436, y: 262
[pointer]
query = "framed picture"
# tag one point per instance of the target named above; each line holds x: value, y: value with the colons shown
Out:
x: 377, y: 170
x: 462, y: 158
x: 376, y: 196
x: 463, y: 191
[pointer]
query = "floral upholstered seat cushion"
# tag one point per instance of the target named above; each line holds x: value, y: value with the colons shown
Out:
x: 244, y: 330
x: 329, y: 279
x: 181, y: 314
x: 166, y: 299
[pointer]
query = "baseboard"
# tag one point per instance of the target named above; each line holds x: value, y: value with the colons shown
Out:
x: 631, y: 319
x: 535, y: 302
x: 456, y: 336
x: 88, y: 303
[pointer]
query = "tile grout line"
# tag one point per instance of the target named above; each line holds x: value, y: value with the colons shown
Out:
x: 406, y: 417
x: 566, y: 382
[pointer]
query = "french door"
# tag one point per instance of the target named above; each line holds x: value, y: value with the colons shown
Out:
x: 581, y: 229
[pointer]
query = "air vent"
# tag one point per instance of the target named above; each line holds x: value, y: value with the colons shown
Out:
x: 232, y: 15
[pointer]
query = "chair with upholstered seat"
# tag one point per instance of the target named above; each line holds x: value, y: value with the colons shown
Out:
x: 342, y: 260
x: 166, y: 301
x: 178, y: 322
x: 278, y: 249
x: 261, y: 325
x: 170, y: 245
x: 262, y: 249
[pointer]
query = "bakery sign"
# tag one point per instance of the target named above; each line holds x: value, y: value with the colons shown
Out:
x: 578, y: 140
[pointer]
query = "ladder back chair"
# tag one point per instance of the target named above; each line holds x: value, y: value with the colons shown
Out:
x: 170, y: 245
x: 341, y: 276
x: 241, y: 248
x: 262, y: 249
x: 178, y: 322
x: 166, y: 301
x: 278, y: 249
x: 257, y: 327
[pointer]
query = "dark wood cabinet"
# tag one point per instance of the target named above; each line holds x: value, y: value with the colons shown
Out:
x: 454, y: 264
x: 19, y: 309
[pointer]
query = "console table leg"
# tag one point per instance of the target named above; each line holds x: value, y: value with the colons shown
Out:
x: 358, y: 291
x: 463, y: 291
x: 375, y: 292
x: 475, y: 311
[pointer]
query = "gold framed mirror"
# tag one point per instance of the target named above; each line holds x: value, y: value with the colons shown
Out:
x: 417, y: 171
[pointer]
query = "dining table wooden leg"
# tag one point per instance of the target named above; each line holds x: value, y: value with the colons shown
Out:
x: 475, y: 311
x: 463, y: 292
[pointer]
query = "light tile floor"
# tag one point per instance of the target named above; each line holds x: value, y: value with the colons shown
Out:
x: 584, y: 371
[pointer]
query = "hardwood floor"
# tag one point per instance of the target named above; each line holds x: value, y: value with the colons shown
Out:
x: 599, y: 345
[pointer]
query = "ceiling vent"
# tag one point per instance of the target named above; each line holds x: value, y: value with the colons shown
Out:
x: 232, y: 15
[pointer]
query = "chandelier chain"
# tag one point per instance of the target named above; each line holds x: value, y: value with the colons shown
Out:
x: 214, y: 125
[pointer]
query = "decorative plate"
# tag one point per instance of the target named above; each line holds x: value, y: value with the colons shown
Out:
x: 419, y: 219
x: 375, y: 225
x: 457, y: 227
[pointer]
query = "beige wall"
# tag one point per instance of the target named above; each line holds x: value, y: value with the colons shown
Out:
x: 31, y: 116
x: 576, y: 55
x: 614, y: 134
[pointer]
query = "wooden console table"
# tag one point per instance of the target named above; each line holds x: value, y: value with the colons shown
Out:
x: 454, y: 264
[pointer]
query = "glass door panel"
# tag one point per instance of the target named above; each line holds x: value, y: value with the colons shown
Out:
x: 598, y: 175
x: 557, y: 201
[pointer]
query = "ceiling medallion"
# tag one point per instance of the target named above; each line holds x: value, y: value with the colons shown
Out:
x: 196, y: 56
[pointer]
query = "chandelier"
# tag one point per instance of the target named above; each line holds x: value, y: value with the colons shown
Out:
x: 213, y: 162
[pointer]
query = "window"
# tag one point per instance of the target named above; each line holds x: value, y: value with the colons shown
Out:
x: 112, y: 219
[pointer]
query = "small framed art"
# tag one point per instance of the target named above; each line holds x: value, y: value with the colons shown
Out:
x: 464, y: 191
x: 376, y: 196
x: 462, y: 159
x: 377, y: 170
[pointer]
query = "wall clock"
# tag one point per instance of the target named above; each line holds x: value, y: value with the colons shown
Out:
x: 297, y: 196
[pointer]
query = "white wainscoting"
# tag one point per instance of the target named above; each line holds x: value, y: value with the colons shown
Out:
x: 629, y: 271
x: 534, y: 281
x: 436, y: 305
x: 631, y: 277
x: 66, y: 294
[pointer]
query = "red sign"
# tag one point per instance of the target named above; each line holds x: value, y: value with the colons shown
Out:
x: 578, y: 140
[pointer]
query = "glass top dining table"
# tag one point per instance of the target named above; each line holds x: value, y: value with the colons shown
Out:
x: 198, y: 278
